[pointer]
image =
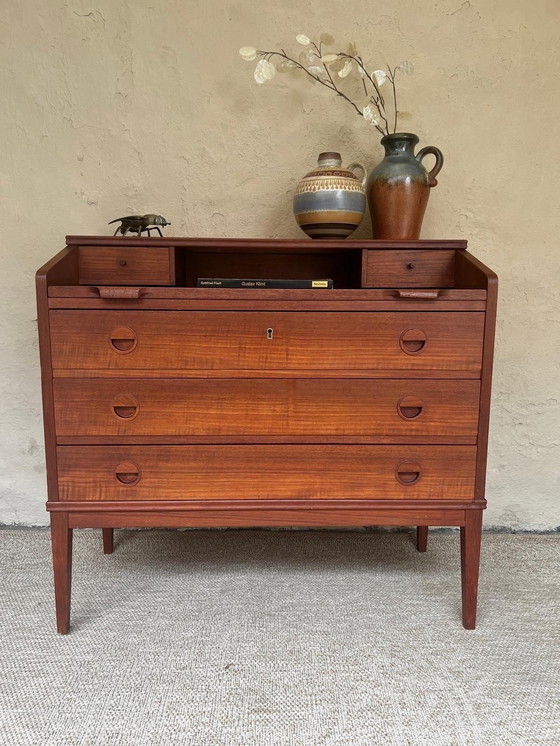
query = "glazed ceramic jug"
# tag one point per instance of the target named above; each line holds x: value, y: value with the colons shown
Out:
x: 399, y: 187
x: 330, y: 201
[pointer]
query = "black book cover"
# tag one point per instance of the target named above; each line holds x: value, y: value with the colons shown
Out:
x: 228, y: 282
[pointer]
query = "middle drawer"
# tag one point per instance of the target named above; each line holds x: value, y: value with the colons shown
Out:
x: 266, y: 407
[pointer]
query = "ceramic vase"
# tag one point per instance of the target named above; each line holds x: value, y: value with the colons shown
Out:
x: 399, y: 187
x: 330, y: 201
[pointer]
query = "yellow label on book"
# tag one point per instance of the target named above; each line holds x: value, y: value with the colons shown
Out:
x: 319, y: 283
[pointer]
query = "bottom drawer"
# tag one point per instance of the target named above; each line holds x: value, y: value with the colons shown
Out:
x: 266, y: 472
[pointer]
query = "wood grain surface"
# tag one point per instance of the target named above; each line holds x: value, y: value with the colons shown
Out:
x: 239, y: 340
x: 265, y: 472
x: 256, y: 407
x: 124, y: 265
x: 411, y: 269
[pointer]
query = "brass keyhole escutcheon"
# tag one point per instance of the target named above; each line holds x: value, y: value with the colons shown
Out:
x: 269, y: 333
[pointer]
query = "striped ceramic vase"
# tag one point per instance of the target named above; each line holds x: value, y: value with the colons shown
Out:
x: 330, y: 201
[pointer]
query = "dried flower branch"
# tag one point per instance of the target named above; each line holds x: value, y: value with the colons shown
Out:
x: 326, y: 68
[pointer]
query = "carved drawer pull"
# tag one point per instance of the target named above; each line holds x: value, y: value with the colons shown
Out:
x: 123, y: 339
x: 413, y: 341
x: 125, y: 293
x: 408, y: 473
x: 125, y: 407
x: 125, y: 413
x: 410, y: 407
x: 127, y: 473
x: 419, y: 294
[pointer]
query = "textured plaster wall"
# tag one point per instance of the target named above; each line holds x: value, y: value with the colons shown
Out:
x: 118, y: 106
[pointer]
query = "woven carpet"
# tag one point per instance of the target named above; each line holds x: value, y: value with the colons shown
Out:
x: 274, y: 638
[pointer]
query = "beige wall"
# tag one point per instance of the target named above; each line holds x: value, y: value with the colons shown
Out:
x: 113, y: 106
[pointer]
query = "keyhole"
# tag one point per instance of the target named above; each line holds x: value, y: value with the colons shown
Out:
x: 269, y: 333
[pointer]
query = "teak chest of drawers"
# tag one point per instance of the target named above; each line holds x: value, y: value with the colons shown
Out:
x: 169, y: 405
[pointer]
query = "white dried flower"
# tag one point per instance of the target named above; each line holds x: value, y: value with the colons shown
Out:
x: 308, y: 57
x: 286, y: 67
x: 370, y: 114
x: 406, y: 67
x: 380, y: 76
x: 326, y: 58
x: 346, y: 69
x: 248, y: 53
x: 264, y: 71
x: 315, y: 70
x: 303, y: 39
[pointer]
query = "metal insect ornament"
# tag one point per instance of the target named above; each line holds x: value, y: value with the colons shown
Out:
x: 140, y: 223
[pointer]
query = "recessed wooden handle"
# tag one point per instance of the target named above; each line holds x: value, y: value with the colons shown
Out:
x: 125, y: 407
x: 418, y: 294
x: 413, y: 341
x: 408, y: 472
x: 123, y: 339
x: 410, y: 407
x: 125, y: 413
x: 127, y: 473
x: 120, y: 292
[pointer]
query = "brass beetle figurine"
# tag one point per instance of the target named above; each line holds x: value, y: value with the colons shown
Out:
x: 140, y: 223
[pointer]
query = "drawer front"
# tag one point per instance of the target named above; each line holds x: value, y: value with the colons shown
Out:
x: 124, y: 265
x: 244, y: 340
x: 263, y: 472
x: 265, y: 407
x: 409, y: 269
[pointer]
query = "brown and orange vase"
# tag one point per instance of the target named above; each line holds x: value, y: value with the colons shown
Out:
x: 399, y: 187
x: 330, y: 201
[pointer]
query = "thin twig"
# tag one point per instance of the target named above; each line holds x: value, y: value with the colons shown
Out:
x: 330, y: 86
x: 392, y: 79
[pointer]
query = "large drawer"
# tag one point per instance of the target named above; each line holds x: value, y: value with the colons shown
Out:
x: 265, y: 407
x: 263, y: 472
x: 265, y: 341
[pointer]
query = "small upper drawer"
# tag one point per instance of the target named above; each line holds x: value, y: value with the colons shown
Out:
x: 125, y: 265
x: 409, y: 269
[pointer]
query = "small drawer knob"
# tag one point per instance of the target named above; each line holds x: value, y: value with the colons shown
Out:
x: 408, y: 473
x: 127, y: 473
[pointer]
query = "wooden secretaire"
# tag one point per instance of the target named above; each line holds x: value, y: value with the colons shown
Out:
x: 168, y: 404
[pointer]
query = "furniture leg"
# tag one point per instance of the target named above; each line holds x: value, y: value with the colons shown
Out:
x: 421, y: 538
x: 107, y: 540
x: 471, y: 534
x: 61, y: 539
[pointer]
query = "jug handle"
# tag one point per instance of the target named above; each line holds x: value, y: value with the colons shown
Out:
x: 430, y: 150
x: 352, y: 166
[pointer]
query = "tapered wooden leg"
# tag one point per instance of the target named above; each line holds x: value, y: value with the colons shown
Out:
x: 107, y: 540
x: 421, y: 538
x: 61, y: 539
x: 471, y: 534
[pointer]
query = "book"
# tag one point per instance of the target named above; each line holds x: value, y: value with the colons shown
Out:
x: 228, y: 282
